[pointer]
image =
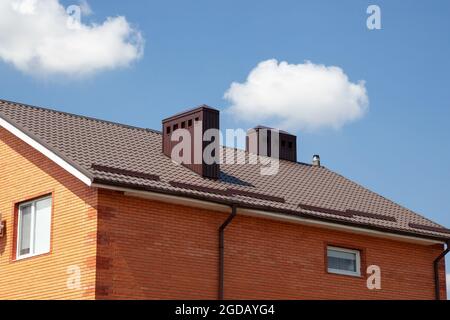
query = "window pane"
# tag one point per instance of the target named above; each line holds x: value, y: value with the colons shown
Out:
x: 25, y: 230
x: 42, y: 226
x: 339, y: 260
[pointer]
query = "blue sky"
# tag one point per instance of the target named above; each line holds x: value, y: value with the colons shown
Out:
x: 194, y: 50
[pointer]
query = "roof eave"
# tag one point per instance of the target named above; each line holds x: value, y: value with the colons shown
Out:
x: 100, y: 183
x: 67, y: 164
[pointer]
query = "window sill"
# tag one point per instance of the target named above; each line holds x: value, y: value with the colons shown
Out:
x: 356, y: 276
x: 30, y: 257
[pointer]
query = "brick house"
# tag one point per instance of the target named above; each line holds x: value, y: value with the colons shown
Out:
x: 92, y: 209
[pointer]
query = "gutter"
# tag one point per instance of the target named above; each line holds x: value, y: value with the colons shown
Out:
x: 222, y: 251
x: 437, y: 286
x: 270, y: 212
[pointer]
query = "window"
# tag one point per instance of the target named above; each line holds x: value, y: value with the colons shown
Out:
x: 190, y: 123
x: 183, y: 125
x: 344, y: 261
x: 34, y: 224
x: 168, y: 130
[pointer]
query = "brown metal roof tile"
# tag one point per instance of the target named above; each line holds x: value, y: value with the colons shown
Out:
x: 372, y: 215
x: 125, y: 172
x: 131, y: 157
x: 326, y: 210
x: 429, y: 228
x: 189, y: 186
x: 255, y: 195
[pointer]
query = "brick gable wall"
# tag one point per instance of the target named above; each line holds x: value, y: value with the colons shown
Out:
x: 26, y: 174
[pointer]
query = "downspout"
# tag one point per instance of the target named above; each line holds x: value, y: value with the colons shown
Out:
x: 222, y: 250
x: 437, y: 286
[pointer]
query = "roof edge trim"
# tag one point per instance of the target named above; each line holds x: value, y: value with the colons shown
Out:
x: 45, y: 151
x: 343, y: 227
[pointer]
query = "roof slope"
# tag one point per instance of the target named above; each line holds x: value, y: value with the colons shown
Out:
x: 121, y: 155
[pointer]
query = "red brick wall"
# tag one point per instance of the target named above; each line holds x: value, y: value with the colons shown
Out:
x: 258, y: 249
x: 25, y: 174
x: 156, y: 250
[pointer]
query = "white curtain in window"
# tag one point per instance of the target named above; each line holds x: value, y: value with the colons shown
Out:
x: 43, y: 226
x: 340, y: 260
x: 25, y: 230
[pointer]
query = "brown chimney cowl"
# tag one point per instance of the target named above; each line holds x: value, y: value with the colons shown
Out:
x: 259, y: 141
x: 197, y: 121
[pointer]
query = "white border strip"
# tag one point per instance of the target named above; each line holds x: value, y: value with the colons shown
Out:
x: 268, y: 215
x: 46, y: 152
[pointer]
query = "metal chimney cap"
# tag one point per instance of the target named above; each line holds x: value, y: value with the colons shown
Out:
x: 316, y: 160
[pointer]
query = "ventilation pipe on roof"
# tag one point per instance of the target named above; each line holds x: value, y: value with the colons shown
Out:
x: 437, y: 286
x: 222, y: 251
x: 316, y: 160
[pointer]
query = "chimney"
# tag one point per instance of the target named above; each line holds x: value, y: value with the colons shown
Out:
x: 195, y: 121
x: 259, y: 141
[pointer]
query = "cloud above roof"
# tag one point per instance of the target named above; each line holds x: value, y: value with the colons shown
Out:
x: 40, y: 38
x: 298, y: 96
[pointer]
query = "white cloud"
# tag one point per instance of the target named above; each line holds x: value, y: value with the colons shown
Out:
x: 298, y: 96
x: 37, y: 38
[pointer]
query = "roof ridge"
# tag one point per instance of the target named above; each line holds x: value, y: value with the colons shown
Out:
x: 79, y: 116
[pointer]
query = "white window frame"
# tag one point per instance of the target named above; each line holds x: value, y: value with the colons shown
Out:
x: 32, y: 235
x: 344, y: 272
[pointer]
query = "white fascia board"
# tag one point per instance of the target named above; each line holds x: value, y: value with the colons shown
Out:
x: 173, y: 199
x: 45, y: 151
